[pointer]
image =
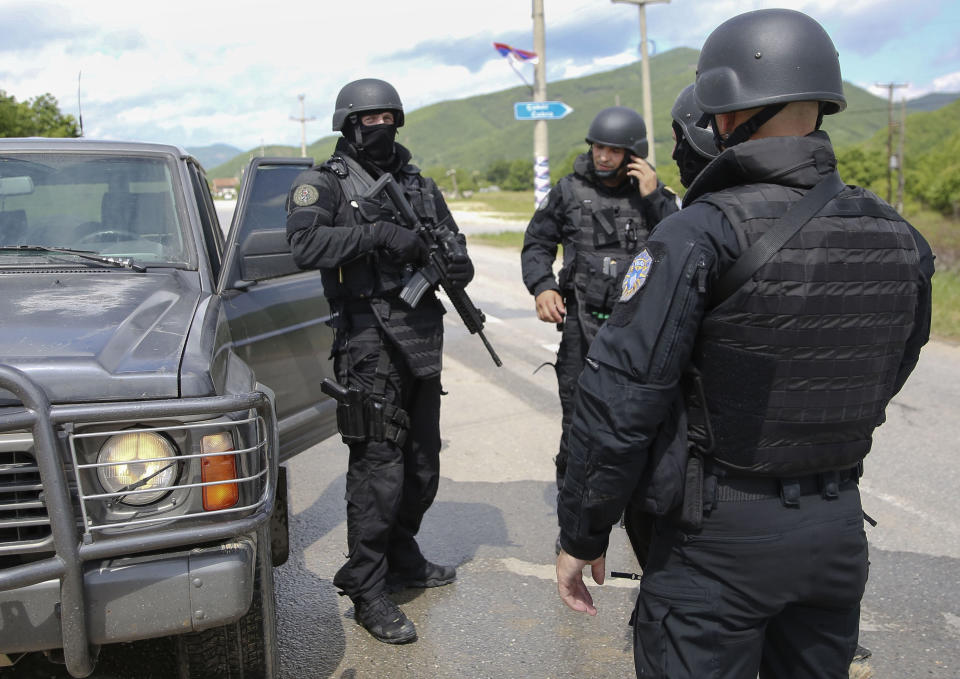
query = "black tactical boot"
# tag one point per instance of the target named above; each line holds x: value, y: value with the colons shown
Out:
x: 384, y: 620
x: 427, y: 575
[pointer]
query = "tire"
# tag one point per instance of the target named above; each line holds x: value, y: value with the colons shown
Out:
x: 245, y: 649
x: 280, y: 522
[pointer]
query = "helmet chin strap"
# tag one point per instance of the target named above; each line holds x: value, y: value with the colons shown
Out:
x: 357, y: 137
x: 746, y: 129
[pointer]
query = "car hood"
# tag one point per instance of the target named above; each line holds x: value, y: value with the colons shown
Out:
x: 98, y: 336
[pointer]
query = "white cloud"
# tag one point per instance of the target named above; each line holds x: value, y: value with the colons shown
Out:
x: 947, y: 83
x: 195, y: 73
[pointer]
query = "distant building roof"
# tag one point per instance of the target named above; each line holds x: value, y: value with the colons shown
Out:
x: 225, y: 182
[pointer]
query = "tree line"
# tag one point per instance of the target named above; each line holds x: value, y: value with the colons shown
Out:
x: 931, y: 179
x: 37, y: 117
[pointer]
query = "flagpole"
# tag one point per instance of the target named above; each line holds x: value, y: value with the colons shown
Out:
x: 514, y: 67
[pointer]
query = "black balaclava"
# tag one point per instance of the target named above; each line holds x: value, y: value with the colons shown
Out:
x: 377, y: 141
x: 689, y: 162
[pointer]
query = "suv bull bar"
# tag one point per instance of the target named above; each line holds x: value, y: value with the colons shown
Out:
x: 70, y: 553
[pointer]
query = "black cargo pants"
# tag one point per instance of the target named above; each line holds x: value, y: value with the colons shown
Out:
x: 762, y: 588
x: 389, y: 487
x: 570, y: 360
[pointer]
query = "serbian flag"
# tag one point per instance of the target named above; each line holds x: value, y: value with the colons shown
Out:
x: 523, y: 56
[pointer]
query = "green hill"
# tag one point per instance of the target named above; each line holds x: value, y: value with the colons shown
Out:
x: 472, y: 133
x: 925, y: 130
x: 932, y: 101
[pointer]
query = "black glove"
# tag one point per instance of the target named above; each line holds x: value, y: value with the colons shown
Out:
x: 459, y: 270
x: 400, y: 243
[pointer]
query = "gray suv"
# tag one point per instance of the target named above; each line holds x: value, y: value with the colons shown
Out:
x: 154, y: 375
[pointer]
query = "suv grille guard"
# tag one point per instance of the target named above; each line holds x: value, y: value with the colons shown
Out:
x: 69, y: 551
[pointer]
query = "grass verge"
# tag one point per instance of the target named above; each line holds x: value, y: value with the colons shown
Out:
x: 501, y: 239
x: 945, y: 323
x: 943, y: 233
x: 507, y: 204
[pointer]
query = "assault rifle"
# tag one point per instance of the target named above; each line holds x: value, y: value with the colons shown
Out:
x: 442, y: 246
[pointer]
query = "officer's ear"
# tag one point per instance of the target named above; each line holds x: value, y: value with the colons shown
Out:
x: 725, y: 122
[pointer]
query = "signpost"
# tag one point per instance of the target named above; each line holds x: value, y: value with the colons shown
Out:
x: 541, y: 110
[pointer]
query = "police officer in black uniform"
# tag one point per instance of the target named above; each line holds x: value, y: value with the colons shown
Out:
x: 601, y: 214
x: 694, y: 148
x: 387, y: 352
x: 737, y: 387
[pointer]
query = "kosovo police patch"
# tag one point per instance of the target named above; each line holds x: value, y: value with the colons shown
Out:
x: 305, y: 195
x: 636, y: 275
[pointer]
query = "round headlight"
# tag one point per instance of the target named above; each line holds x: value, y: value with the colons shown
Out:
x: 134, y: 466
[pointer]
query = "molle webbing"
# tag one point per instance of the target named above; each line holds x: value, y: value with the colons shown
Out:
x: 800, y: 362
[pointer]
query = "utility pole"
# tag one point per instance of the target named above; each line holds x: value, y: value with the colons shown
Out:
x: 541, y: 156
x: 303, y: 126
x: 903, y: 133
x: 453, y: 177
x: 890, y: 157
x: 645, y: 71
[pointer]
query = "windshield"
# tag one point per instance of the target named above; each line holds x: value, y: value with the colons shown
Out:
x: 114, y: 205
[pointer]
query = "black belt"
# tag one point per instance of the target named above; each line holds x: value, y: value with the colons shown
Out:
x: 357, y: 313
x: 749, y: 488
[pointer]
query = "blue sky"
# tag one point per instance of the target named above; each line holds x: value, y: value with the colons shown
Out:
x: 196, y: 73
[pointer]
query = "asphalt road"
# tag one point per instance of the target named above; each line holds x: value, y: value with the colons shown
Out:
x: 494, y: 518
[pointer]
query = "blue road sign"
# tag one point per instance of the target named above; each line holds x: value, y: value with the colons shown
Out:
x: 540, y: 110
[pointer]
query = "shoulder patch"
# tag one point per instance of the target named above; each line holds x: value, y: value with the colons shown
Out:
x: 636, y: 275
x: 305, y: 194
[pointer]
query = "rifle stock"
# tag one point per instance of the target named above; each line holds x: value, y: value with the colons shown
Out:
x: 438, y: 241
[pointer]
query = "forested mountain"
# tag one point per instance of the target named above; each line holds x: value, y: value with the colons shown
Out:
x: 471, y: 134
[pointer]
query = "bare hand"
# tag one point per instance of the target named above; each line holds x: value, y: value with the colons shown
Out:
x: 550, y: 306
x: 570, y: 585
x: 645, y: 174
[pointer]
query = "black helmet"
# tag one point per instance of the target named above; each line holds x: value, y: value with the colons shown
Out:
x: 368, y: 94
x: 686, y: 114
x: 621, y: 127
x: 766, y: 57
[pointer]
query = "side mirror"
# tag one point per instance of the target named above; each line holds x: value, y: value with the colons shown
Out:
x: 264, y: 255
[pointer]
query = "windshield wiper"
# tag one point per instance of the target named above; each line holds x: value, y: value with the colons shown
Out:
x: 124, y: 262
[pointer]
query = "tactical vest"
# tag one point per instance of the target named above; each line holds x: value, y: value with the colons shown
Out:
x: 609, y: 231
x: 370, y: 284
x: 798, y: 365
x: 373, y: 275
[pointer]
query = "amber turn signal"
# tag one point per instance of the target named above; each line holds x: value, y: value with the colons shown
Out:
x: 219, y: 468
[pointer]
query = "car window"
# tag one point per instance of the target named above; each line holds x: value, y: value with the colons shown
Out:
x: 266, y: 207
x: 111, y: 204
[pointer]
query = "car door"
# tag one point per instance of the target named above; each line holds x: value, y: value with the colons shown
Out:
x: 277, y: 313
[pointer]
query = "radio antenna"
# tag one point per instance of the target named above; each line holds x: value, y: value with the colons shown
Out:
x: 79, y: 109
